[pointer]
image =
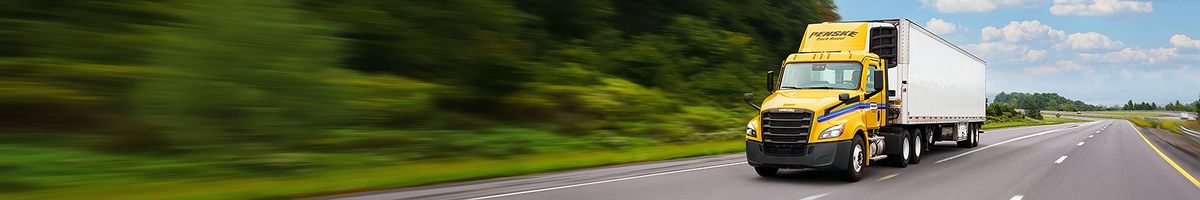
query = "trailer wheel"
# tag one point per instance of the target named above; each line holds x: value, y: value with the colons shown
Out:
x: 929, y: 132
x: 766, y: 171
x: 858, y: 157
x: 975, y: 139
x: 970, y: 138
x: 918, y: 147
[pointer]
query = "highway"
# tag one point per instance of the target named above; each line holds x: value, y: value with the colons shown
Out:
x: 1105, y: 159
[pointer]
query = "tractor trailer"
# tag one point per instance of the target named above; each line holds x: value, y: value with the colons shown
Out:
x: 862, y: 93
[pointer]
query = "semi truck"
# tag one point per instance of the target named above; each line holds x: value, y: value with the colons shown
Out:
x: 862, y: 93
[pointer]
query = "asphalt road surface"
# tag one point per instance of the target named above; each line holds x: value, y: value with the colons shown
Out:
x: 1104, y: 159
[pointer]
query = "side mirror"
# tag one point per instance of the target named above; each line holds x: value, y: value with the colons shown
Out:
x: 770, y: 82
x: 844, y: 97
x: 749, y: 99
x: 879, y: 86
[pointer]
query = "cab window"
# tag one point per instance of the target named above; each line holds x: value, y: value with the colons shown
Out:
x: 871, y: 79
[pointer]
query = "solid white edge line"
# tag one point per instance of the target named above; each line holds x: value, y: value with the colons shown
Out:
x: 1080, y: 144
x: 813, y: 197
x: 1018, y: 197
x: 604, y: 181
x: 1000, y: 143
x: 1060, y: 159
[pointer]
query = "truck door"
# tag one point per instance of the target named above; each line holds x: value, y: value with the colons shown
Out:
x: 875, y: 115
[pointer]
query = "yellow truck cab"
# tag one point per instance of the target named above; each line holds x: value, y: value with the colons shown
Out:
x: 846, y: 99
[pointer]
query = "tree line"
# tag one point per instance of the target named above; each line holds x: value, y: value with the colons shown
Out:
x: 1043, y: 101
x: 1172, y: 106
x: 1052, y: 101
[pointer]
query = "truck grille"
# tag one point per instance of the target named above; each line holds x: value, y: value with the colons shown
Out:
x: 784, y: 149
x: 789, y: 127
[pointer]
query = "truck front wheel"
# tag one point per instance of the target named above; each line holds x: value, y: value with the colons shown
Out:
x: 766, y: 171
x: 858, y: 157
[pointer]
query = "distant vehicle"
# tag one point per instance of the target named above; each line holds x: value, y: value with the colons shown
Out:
x: 1077, y: 112
x: 861, y: 92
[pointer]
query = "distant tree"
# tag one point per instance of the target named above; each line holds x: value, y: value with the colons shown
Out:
x: 1033, y: 113
x: 1128, y: 106
x: 1002, y: 97
x: 1196, y: 106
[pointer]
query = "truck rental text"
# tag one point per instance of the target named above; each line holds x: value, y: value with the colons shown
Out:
x: 858, y: 93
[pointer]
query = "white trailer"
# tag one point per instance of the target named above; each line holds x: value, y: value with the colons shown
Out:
x: 938, y: 87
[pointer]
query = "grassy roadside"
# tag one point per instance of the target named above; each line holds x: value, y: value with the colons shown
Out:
x: 1169, y: 125
x: 1028, y: 122
x: 378, y: 177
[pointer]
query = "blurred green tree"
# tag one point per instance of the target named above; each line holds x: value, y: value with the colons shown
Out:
x: 245, y: 71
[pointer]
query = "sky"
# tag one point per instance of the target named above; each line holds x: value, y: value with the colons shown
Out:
x: 1102, y: 52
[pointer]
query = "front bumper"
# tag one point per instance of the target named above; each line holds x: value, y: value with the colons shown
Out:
x: 825, y: 155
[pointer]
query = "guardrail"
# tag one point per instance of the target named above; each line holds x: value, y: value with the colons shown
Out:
x: 1190, y: 132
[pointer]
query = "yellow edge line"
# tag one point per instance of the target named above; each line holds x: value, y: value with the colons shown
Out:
x: 1164, y: 157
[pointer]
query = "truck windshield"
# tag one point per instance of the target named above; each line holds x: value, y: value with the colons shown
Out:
x: 826, y: 75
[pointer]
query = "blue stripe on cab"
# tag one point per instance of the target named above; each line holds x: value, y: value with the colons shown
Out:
x: 848, y: 109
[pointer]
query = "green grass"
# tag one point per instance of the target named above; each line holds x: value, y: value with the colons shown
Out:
x: 1170, y: 125
x: 1131, y: 114
x: 1028, y: 122
x: 108, y: 184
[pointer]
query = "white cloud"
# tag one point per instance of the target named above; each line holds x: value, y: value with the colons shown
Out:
x: 1056, y: 67
x: 958, y: 6
x: 976, y: 6
x: 1099, y: 7
x: 939, y: 26
x: 1089, y: 40
x: 1183, y: 41
x: 1035, y: 55
x: 1021, y: 31
x: 1007, y: 52
x: 1155, y: 55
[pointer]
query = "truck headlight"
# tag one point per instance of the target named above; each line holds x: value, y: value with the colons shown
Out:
x: 750, y: 129
x: 831, y: 132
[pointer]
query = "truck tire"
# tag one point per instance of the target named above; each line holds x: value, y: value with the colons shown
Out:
x: 918, y: 146
x: 970, y: 138
x: 929, y: 140
x: 975, y: 139
x: 858, y: 157
x: 901, y: 160
x: 766, y: 171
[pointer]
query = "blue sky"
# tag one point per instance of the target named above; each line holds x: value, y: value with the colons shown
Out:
x: 1099, y: 51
